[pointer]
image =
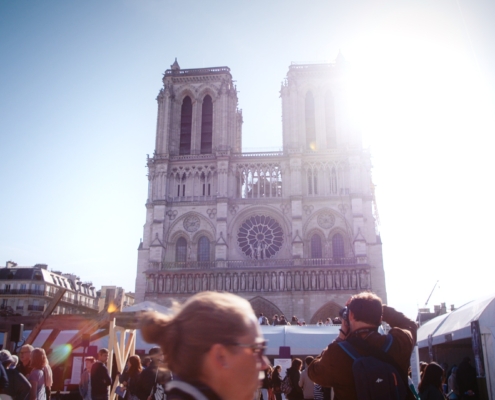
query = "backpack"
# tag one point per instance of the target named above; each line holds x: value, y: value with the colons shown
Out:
x: 376, y: 375
x: 264, y: 321
x: 286, y: 385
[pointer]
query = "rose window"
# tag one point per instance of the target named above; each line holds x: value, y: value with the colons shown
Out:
x: 260, y: 237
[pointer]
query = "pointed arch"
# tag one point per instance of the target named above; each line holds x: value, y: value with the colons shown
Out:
x: 185, y: 126
x: 181, y: 250
x: 338, y: 247
x: 204, y: 252
x: 262, y: 305
x: 316, y: 247
x: 327, y: 310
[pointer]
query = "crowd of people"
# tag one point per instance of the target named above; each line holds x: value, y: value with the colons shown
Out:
x: 225, y: 359
x: 282, y: 320
x: 27, y: 377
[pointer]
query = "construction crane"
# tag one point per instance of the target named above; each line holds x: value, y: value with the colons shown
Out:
x: 428, y: 299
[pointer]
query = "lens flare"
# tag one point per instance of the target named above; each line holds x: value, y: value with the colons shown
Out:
x: 112, y: 307
x: 60, y: 354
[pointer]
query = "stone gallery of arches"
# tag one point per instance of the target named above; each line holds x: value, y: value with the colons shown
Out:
x: 292, y: 231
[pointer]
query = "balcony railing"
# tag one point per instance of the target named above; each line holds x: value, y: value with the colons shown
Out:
x: 23, y: 291
x: 238, y: 264
x: 46, y: 293
x: 32, y: 307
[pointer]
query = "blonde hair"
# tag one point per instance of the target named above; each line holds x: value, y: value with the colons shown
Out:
x: 205, y: 319
x: 38, y: 358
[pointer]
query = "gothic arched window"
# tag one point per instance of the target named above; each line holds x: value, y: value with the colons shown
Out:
x: 207, y: 125
x: 330, y: 120
x: 316, y: 246
x: 181, y: 250
x: 185, y: 126
x: 338, y: 247
x: 203, y: 249
x: 310, y: 121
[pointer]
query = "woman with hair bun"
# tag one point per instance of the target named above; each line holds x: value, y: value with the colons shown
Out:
x: 213, y: 346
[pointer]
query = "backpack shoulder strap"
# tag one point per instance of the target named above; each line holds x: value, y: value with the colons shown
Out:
x: 349, y: 349
x: 388, y: 343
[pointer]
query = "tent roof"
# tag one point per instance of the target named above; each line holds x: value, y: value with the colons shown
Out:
x: 458, y: 322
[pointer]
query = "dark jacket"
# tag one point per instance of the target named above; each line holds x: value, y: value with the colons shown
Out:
x: 431, y: 393
x: 333, y: 367
x: 180, y: 390
x: 147, y: 379
x: 100, y: 379
x: 296, y: 393
x: 19, y: 386
x: 132, y: 381
x: 24, y: 370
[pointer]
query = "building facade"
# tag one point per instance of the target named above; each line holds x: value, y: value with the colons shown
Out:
x: 27, y: 291
x: 292, y: 231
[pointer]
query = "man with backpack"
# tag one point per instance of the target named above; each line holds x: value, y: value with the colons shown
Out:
x: 361, y: 363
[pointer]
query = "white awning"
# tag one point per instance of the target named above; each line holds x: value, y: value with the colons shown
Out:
x: 456, y: 325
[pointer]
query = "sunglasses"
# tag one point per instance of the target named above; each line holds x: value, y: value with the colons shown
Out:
x: 257, y: 348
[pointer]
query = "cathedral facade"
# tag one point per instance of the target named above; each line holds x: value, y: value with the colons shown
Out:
x: 292, y: 231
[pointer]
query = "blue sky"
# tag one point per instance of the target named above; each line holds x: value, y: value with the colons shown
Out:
x: 78, y: 82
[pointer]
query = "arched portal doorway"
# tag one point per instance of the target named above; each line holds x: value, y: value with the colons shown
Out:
x: 262, y: 305
x: 328, y: 310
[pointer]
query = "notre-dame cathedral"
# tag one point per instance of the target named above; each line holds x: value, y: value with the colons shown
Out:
x: 292, y: 231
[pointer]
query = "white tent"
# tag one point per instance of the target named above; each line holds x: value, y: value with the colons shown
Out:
x: 457, y: 325
x: 302, y: 340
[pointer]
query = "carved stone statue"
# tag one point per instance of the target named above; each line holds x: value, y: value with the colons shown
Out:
x: 296, y: 284
x: 337, y: 280
x: 305, y: 280
x: 353, y: 280
x: 266, y: 281
x: 313, y: 280
x: 236, y: 282
x: 212, y: 282
x: 274, y: 281
x: 227, y: 283
x: 258, y: 282
x: 219, y: 281
x: 281, y: 281
x: 205, y: 282
x: 243, y: 282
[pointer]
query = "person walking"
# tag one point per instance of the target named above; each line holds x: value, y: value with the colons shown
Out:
x: 100, y: 378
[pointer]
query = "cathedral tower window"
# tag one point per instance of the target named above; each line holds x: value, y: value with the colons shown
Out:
x: 203, y: 249
x: 207, y: 125
x: 185, y: 126
x: 330, y: 120
x: 310, y: 121
x: 181, y: 250
x: 338, y: 247
x: 316, y: 246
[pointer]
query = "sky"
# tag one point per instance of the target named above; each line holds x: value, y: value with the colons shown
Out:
x: 79, y: 79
